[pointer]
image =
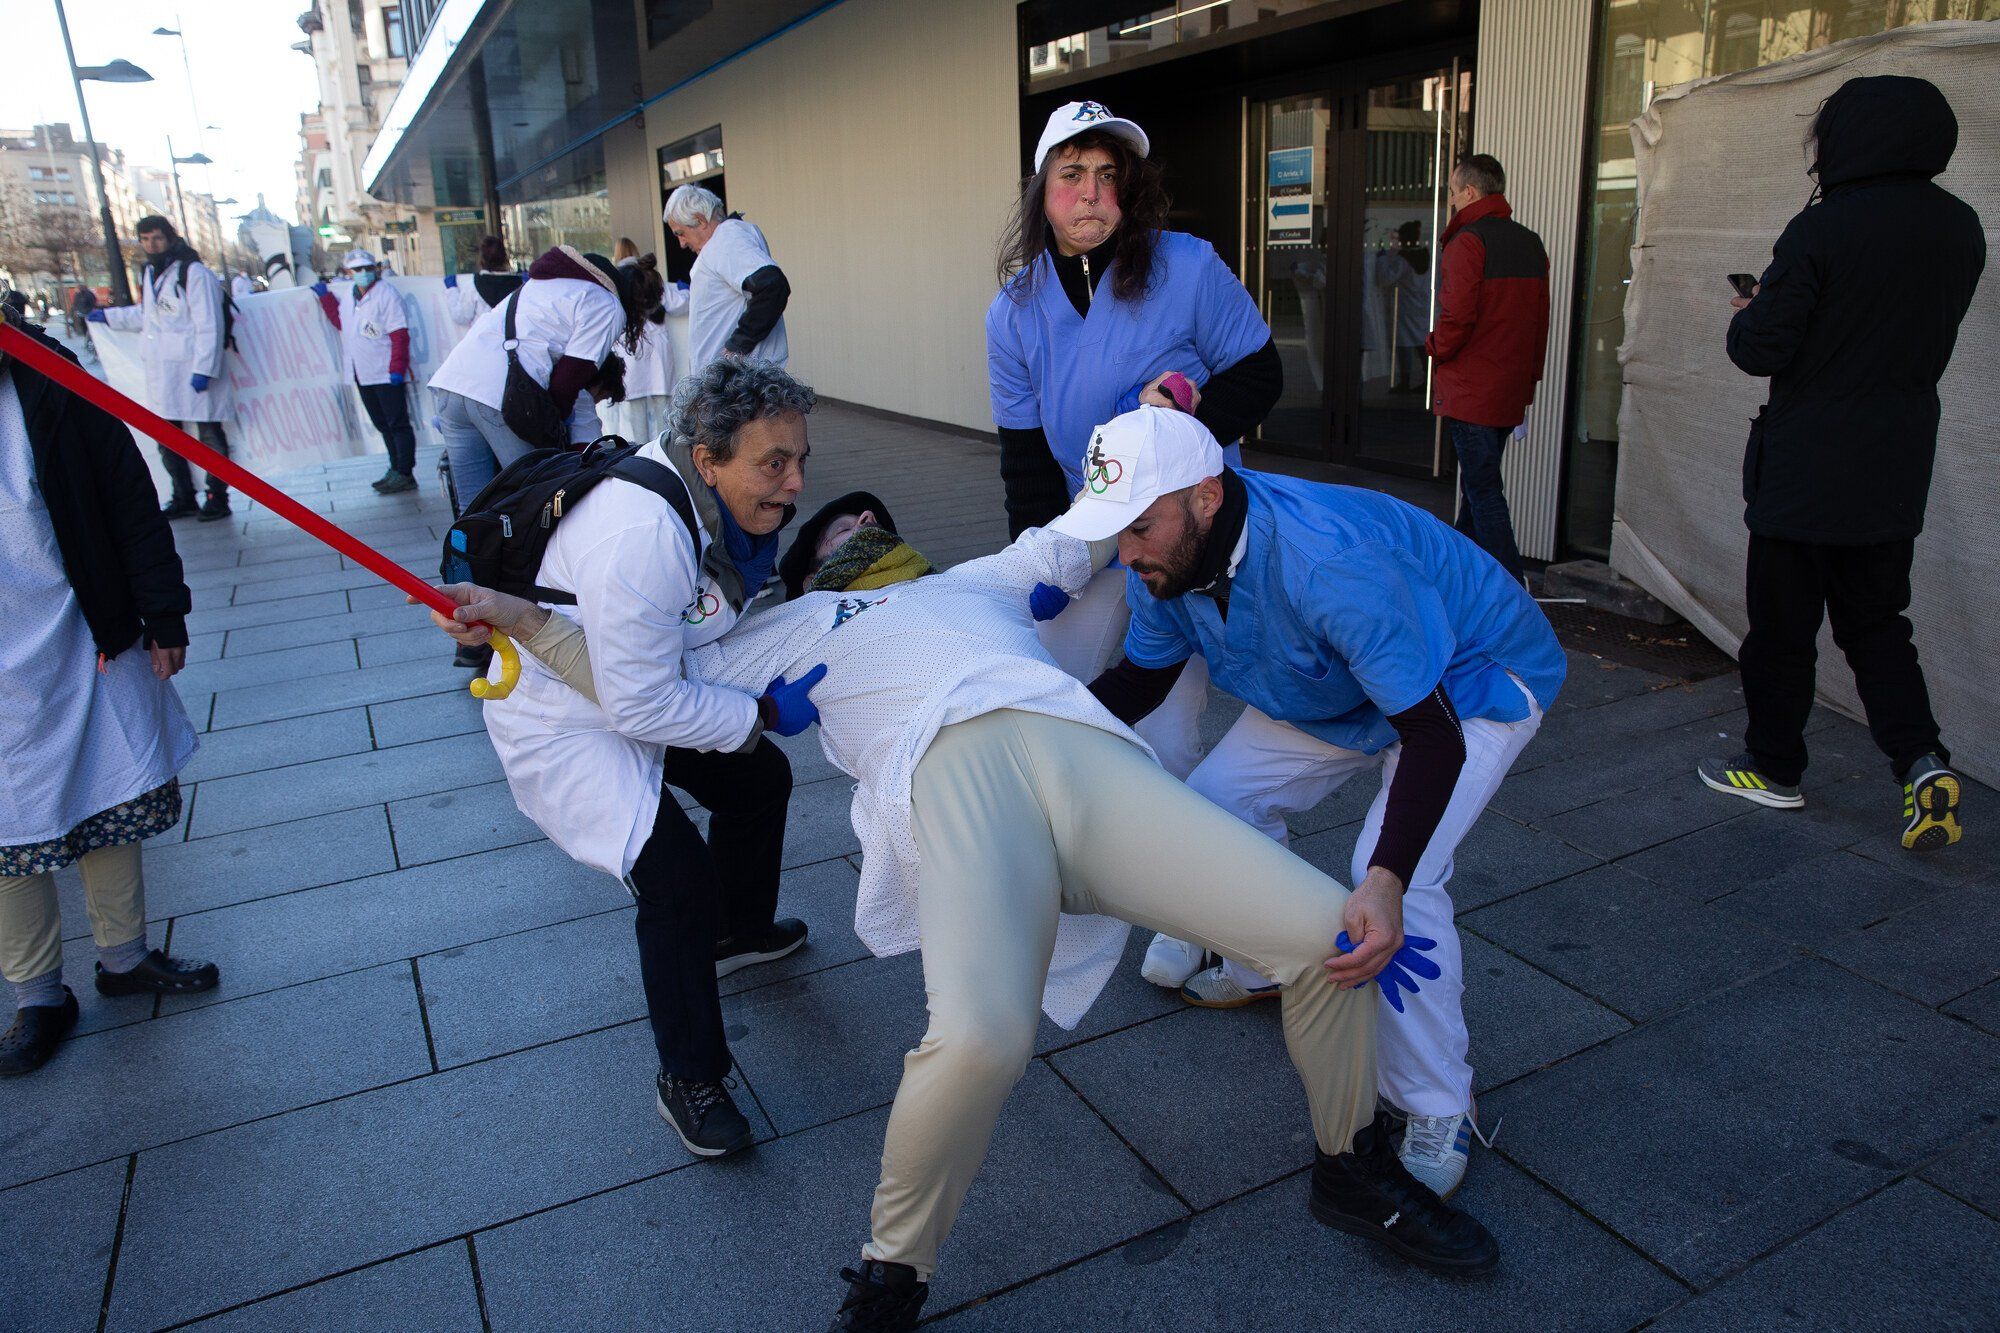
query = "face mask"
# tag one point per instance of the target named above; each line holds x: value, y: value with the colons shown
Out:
x: 363, y: 280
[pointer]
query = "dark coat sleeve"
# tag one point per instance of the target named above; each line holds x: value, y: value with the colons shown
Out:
x: 1766, y: 334
x: 1036, y: 490
x: 1237, y: 398
x: 768, y: 293
x: 138, y: 530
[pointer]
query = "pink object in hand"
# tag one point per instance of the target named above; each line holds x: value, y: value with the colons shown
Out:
x: 1177, y: 387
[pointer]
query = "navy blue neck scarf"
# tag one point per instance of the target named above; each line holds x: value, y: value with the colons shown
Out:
x: 752, y: 556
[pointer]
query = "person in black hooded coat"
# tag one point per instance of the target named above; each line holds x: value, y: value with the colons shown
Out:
x: 1854, y: 322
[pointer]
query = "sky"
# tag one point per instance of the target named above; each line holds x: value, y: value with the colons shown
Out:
x: 246, y: 80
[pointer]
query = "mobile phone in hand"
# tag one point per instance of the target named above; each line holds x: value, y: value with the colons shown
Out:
x: 1744, y: 283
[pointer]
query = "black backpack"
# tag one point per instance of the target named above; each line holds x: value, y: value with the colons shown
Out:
x: 228, y: 306
x: 499, y: 540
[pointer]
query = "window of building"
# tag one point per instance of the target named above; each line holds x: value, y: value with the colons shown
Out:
x: 48, y: 173
x: 325, y: 178
x: 393, y: 31
x: 1053, y: 46
x: 1651, y: 44
x: 695, y: 160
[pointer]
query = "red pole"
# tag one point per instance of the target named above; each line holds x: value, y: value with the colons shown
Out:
x: 88, y: 387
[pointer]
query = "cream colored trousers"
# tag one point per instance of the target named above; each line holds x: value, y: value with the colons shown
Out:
x: 1019, y: 817
x: 114, y: 893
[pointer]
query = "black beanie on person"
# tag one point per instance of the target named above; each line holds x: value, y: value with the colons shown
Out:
x: 795, y: 567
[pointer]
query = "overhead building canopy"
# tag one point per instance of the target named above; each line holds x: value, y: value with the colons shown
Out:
x: 548, y: 79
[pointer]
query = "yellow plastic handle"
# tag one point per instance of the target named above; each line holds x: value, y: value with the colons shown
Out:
x: 510, y: 671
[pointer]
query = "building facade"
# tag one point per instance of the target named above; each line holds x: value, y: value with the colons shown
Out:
x: 51, y: 228
x: 360, y: 51
x: 879, y: 144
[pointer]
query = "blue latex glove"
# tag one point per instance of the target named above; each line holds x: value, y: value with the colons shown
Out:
x: 1047, y: 601
x: 451, y: 279
x: 1395, y: 979
x: 199, y: 383
x: 792, y: 704
x: 681, y: 286
x: 1129, y: 400
x: 398, y: 378
x: 320, y: 288
x: 95, y: 317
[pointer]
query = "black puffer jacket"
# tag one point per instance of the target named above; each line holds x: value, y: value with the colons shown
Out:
x: 116, y: 546
x: 1856, y: 321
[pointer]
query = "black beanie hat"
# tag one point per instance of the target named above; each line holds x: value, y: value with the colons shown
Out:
x: 796, y: 565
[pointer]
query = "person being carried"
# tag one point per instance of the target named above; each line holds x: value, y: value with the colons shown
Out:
x: 1013, y: 830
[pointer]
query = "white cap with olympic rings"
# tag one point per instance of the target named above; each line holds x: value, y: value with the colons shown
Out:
x: 1133, y: 460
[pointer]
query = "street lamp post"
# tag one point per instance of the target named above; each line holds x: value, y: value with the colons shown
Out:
x: 180, y: 198
x: 118, y: 71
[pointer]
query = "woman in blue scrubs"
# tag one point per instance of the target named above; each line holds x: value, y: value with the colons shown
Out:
x: 1099, y: 303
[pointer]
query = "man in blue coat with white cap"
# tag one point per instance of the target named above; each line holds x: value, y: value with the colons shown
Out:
x: 1364, y: 635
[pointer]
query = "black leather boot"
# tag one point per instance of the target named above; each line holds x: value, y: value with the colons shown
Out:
x: 1368, y: 1192
x: 881, y: 1297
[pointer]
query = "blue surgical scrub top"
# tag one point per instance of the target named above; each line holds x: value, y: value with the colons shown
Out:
x: 1349, y: 606
x: 1050, y: 367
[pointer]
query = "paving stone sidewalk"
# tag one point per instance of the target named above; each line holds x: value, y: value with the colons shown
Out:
x: 1748, y: 1062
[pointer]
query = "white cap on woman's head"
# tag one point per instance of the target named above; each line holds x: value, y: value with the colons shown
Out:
x: 359, y: 259
x: 1074, y: 118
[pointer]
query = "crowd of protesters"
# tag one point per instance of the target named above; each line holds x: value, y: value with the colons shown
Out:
x: 1054, y: 686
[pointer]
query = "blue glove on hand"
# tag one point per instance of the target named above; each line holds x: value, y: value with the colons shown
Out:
x: 791, y: 708
x: 398, y: 378
x: 199, y: 383
x: 1394, y: 979
x: 320, y: 288
x: 682, y: 286
x: 1047, y: 601
x: 451, y: 279
x: 95, y: 317
x: 1129, y: 400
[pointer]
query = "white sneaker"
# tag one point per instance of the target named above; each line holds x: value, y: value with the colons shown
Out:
x: 1216, y: 989
x: 1437, y: 1148
x: 1169, y: 961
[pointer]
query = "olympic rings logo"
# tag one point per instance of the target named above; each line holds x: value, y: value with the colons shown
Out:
x: 701, y: 608
x: 1104, y: 472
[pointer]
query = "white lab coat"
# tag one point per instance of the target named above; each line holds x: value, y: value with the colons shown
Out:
x: 183, y: 338
x: 588, y: 773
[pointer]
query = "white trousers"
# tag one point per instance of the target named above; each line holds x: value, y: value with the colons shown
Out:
x: 1088, y: 637
x: 1262, y: 769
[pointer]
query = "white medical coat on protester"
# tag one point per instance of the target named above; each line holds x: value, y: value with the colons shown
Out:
x: 366, y: 321
x: 588, y: 773
x: 716, y: 299
x: 182, y: 338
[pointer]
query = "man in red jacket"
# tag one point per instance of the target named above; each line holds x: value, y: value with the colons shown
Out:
x: 1492, y: 329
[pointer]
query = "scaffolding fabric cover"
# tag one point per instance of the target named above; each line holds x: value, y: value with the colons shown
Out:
x: 1722, y: 168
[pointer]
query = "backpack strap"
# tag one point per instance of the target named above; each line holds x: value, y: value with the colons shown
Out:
x: 666, y: 483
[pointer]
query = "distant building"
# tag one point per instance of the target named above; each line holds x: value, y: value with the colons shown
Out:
x: 51, y: 233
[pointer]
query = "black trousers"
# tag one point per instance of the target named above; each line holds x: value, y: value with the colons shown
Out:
x: 692, y: 893
x: 389, y: 410
x: 181, y: 475
x: 1864, y: 591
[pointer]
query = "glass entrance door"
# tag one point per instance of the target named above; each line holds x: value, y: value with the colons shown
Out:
x: 1287, y: 206
x: 1346, y: 204
x: 1412, y: 130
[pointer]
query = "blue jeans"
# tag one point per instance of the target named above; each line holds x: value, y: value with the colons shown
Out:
x: 476, y: 440
x: 1483, y: 514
